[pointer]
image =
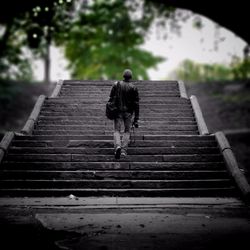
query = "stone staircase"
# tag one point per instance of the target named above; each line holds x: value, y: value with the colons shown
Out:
x: 70, y: 149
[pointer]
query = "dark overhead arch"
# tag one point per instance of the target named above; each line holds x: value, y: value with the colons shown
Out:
x: 229, y: 14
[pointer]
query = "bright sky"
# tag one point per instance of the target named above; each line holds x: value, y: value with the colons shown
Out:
x: 195, y: 44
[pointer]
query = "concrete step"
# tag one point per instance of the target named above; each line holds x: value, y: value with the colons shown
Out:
x: 107, y: 89
x: 98, y: 84
x: 104, y: 97
x: 102, y: 105
x: 106, y: 93
x: 142, y: 184
x: 110, y: 158
x: 110, y: 151
x: 155, y: 108
x: 110, y: 82
x: 97, y: 132
x: 114, y: 165
x: 110, y: 123
x: 101, y: 112
x: 162, y: 116
x: 110, y: 127
x: 170, y: 100
x: 169, y: 118
x: 146, y: 137
x: 141, y: 88
x: 109, y: 143
x: 174, y: 192
x: 24, y: 174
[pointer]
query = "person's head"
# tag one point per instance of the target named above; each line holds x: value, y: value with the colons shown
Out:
x: 127, y: 75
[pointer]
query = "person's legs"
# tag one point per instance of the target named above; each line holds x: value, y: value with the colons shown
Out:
x: 127, y: 118
x: 117, y: 136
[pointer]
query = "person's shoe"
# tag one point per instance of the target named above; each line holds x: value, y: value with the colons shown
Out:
x: 123, y: 153
x: 117, y: 152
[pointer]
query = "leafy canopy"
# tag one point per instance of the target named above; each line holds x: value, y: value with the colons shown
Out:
x: 105, y: 39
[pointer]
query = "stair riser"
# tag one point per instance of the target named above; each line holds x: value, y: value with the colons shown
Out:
x: 89, y: 132
x: 144, y: 101
x: 192, y: 138
x: 110, y: 144
x: 227, y: 192
x: 120, y: 184
x: 110, y: 158
x: 110, y: 128
x: 152, y: 166
x: 146, y: 117
x: 110, y: 151
x: 101, y: 175
x: 106, y: 91
x: 90, y: 119
x: 99, y: 105
x: 101, y: 113
x: 101, y: 97
x: 107, y: 123
x: 102, y: 109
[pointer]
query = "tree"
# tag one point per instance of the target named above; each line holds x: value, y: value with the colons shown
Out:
x: 30, y: 25
x: 105, y: 39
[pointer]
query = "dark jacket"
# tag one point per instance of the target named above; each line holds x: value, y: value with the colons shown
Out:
x: 126, y: 96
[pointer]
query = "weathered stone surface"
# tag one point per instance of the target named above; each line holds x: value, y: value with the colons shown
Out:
x: 90, y: 166
x: 106, y: 132
x: 210, y: 138
x: 86, y: 192
x: 109, y: 143
x: 71, y: 148
x: 110, y: 151
x: 117, y: 184
x: 111, y: 174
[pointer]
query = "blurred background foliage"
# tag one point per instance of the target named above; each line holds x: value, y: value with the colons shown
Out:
x: 99, y: 39
x: 192, y: 72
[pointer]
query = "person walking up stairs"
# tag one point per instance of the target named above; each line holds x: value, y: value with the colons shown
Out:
x: 126, y: 98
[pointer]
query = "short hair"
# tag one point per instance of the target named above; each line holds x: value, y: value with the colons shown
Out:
x: 127, y: 74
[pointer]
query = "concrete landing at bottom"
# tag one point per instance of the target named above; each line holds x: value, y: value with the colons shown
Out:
x: 125, y: 223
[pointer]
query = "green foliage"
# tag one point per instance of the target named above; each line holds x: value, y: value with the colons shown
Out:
x: 190, y: 71
x: 104, y: 40
x: 14, y: 60
x: 241, y: 68
x: 26, y: 31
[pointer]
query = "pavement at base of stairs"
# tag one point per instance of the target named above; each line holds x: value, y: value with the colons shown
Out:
x: 123, y: 223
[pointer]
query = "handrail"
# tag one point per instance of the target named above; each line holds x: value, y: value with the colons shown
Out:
x: 182, y: 89
x: 29, y: 125
x: 232, y: 164
x: 57, y: 89
x: 203, y: 130
x: 5, y: 143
